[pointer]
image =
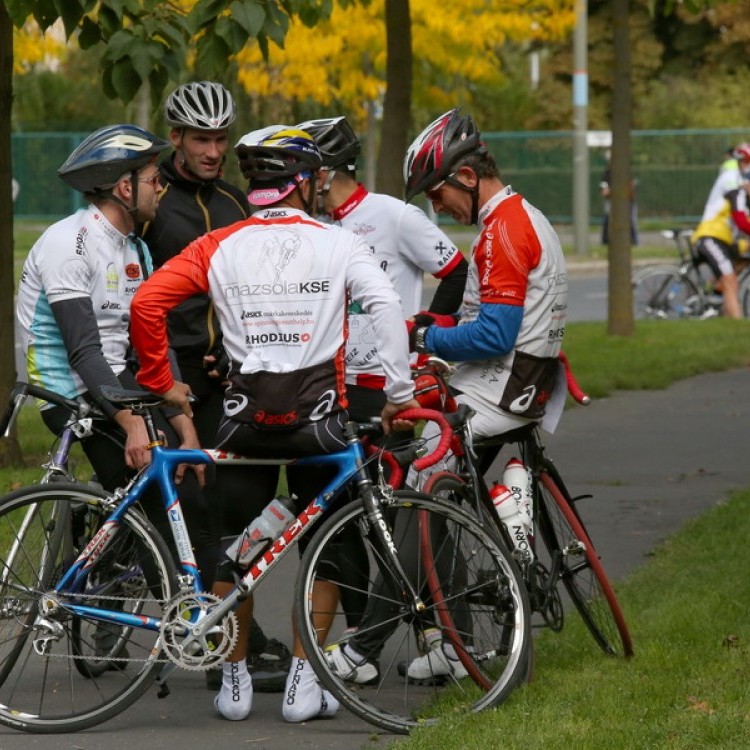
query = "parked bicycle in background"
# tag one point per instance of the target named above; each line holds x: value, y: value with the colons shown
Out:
x: 685, y: 289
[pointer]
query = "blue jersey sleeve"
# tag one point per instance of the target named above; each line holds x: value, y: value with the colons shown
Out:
x: 492, y: 334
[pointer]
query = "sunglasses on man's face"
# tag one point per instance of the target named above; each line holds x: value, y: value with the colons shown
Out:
x: 153, y: 180
x: 433, y: 193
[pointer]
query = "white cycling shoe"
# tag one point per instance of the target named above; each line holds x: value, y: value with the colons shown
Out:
x: 435, y: 667
x: 345, y: 666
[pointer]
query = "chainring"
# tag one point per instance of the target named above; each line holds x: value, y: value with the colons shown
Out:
x: 181, y: 615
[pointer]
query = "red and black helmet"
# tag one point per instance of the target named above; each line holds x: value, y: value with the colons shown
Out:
x: 742, y: 152
x: 435, y: 151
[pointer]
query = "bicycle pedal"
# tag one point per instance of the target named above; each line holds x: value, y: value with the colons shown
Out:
x: 164, y: 691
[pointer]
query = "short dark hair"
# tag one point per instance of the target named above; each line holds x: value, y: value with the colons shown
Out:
x: 481, y: 162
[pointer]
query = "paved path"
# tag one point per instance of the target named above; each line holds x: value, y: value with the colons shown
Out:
x: 651, y: 460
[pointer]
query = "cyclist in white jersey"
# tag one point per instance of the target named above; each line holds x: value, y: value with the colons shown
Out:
x: 728, y: 179
x: 404, y: 243
x: 73, y: 308
x: 279, y: 281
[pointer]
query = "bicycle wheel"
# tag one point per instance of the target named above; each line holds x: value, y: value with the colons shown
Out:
x: 744, y: 292
x: 479, y: 582
x: 574, y: 561
x: 42, y: 640
x: 664, y: 293
x: 48, y: 553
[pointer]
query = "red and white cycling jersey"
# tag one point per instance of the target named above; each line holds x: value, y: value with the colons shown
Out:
x: 406, y: 245
x: 280, y: 282
x: 516, y: 260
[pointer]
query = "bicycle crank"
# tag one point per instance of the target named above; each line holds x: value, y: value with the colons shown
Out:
x: 179, y: 641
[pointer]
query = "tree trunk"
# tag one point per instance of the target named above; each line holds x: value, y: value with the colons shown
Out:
x: 9, y: 450
x: 397, y: 102
x: 620, y: 312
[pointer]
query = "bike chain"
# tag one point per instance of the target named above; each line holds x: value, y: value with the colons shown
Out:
x: 163, y: 603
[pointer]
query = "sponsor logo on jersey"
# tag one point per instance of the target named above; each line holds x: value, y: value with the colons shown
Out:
x: 361, y: 229
x: 274, y: 213
x: 81, y: 241
x: 113, y: 280
x: 133, y: 271
x: 253, y: 339
x: 278, y: 289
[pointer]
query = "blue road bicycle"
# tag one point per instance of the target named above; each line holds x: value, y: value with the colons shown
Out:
x: 94, y: 610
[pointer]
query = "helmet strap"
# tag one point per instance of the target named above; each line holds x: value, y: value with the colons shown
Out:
x: 310, y: 203
x: 474, y: 195
x: 324, y: 190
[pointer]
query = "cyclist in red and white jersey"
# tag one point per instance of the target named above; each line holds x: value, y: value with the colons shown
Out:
x: 509, y: 334
x: 280, y: 282
x: 513, y: 316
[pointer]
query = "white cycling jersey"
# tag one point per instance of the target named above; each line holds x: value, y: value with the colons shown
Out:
x: 78, y: 257
x: 728, y: 179
x: 406, y: 245
x: 280, y: 282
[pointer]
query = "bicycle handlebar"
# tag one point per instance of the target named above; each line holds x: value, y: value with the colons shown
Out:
x: 21, y: 390
x: 446, y: 434
x: 574, y: 389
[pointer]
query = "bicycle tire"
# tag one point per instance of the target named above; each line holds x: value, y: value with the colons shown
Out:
x: 447, y: 487
x: 43, y: 691
x: 665, y: 293
x: 496, y: 616
x: 47, y: 553
x: 743, y: 283
x: 574, y: 558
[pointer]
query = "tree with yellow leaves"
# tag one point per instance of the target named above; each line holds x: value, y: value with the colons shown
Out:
x: 456, y: 46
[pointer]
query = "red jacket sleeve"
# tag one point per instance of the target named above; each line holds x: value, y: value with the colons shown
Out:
x: 179, y: 278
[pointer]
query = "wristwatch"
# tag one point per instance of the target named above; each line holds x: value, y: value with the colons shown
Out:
x: 419, y: 344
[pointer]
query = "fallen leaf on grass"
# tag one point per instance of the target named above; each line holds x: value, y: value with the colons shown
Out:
x: 703, y: 707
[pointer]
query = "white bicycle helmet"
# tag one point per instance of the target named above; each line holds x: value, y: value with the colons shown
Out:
x: 204, y: 105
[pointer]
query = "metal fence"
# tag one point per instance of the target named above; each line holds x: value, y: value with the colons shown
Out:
x: 674, y: 170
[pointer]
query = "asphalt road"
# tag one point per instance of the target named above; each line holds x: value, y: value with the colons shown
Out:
x: 651, y: 461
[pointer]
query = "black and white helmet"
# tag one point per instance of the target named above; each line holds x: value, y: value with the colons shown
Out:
x: 339, y: 146
x: 204, y: 105
x: 107, y: 154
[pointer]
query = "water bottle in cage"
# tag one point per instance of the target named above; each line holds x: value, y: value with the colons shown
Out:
x: 504, y: 500
x: 516, y: 478
x: 276, y: 516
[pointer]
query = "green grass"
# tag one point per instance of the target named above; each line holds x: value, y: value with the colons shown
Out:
x: 688, y: 686
x: 659, y: 353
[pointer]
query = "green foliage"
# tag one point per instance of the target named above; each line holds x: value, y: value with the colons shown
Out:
x: 149, y: 41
